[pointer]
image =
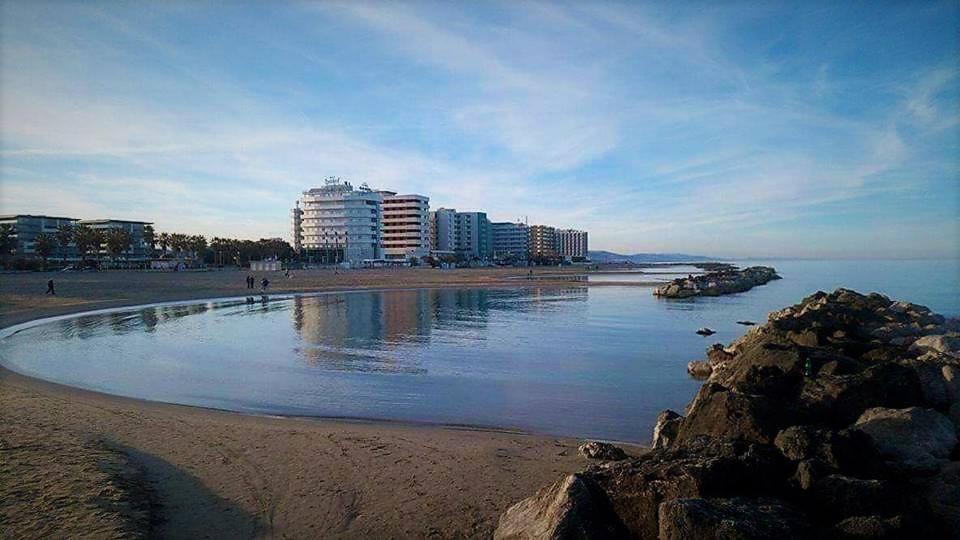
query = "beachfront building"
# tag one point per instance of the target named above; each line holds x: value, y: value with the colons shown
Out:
x: 542, y: 242
x: 137, y: 250
x: 443, y: 232
x: 406, y: 226
x: 474, y: 236
x: 510, y: 241
x: 24, y: 231
x: 337, y: 223
x: 571, y: 243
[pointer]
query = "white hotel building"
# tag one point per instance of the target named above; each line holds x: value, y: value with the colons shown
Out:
x: 406, y: 226
x: 337, y: 223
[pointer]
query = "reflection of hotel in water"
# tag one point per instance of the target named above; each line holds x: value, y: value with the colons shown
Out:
x: 360, y: 319
x: 365, y: 320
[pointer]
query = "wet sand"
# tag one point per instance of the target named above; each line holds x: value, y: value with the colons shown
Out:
x: 79, y: 463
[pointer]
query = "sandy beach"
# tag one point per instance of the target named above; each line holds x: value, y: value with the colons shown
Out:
x: 78, y: 463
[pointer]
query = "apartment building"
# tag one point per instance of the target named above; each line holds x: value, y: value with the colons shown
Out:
x: 337, y: 223
x: 510, y: 240
x: 571, y: 243
x: 474, y: 235
x: 443, y: 233
x: 406, y: 226
x: 542, y: 241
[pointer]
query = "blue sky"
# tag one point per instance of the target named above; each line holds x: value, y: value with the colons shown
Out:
x: 730, y: 129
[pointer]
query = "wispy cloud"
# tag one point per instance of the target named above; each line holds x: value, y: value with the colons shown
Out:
x: 655, y: 127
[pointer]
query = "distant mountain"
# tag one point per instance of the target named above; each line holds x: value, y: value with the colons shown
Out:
x: 640, y: 258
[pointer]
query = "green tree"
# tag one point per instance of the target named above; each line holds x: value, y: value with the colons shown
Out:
x: 163, y: 239
x: 7, y: 241
x: 86, y: 239
x: 150, y: 239
x: 198, y: 245
x: 117, y: 240
x: 43, y: 245
x: 64, y: 236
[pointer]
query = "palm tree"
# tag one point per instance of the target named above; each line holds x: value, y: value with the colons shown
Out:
x: 164, y: 240
x: 86, y: 238
x: 198, y: 244
x: 44, y: 244
x: 64, y: 236
x: 118, y: 240
x: 150, y: 239
x: 7, y: 241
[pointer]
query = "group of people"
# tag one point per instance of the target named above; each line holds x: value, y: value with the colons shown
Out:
x: 264, y: 283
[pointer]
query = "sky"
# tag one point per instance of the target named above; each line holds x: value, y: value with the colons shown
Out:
x: 737, y: 129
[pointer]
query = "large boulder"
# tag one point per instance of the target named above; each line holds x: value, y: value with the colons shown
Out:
x: 704, y: 467
x: 719, y: 412
x: 666, y: 429
x: 912, y: 439
x: 871, y: 526
x: 572, y: 508
x: 940, y: 496
x: 828, y: 450
x: 736, y: 518
x: 837, y: 496
x: 601, y: 450
x: 948, y: 344
x: 840, y: 400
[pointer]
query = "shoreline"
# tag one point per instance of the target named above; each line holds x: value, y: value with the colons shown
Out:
x: 212, y: 471
x: 54, y: 386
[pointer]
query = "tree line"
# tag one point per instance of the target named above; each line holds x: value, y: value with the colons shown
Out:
x: 90, y: 243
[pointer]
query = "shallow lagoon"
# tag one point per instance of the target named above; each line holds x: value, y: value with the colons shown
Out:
x: 588, y: 362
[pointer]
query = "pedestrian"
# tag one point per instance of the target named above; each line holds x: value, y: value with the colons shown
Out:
x: 264, y: 283
x: 50, y: 288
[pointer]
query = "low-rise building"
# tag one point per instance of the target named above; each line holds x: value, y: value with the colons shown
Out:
x: 138, y: 249
x: 26, y: 227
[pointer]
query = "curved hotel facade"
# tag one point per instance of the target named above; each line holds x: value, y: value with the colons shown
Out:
x: 337, y: 223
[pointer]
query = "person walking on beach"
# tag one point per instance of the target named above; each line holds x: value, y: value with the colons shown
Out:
x: 249, y: 282
x: 264, y: 283
x: 50, y: 288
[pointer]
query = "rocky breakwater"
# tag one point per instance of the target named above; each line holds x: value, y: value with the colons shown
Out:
x: 727, y: 280
x: 838, y: 418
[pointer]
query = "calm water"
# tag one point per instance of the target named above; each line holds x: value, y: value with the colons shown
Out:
x: 588, y: 362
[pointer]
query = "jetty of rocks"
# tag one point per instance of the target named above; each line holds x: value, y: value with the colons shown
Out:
x: 838, y: 418
x: 725, y: 280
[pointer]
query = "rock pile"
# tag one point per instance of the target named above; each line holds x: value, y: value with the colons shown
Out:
x: 837, y: 418
x: 727, y: 280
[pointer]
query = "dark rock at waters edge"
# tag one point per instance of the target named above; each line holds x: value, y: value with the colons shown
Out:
x: 747, y: 323
x: 838, y: 418
x: 725, y: 280
x: 706, y: 331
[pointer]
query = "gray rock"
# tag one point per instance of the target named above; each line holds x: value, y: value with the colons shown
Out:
x: 705, y: 467
x: 699, y: 369
x: 666, y: 429
x: 915, y: 439
x: 948, y: 344
x: 871, y: 526
x: 601, y: 450
x: 737, y: 518
x: 574, y: 507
